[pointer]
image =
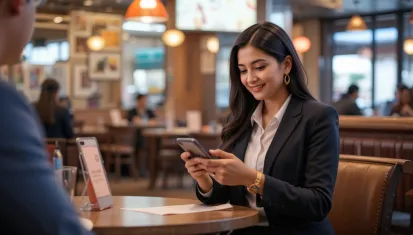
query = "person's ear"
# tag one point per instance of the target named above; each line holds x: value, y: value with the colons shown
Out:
x: 15, y: 6
x: 288, y: 64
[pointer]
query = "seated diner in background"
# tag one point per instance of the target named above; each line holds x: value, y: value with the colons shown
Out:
x: 141, y: 113
x: 31, y: 200
x: 403, y: 106
x: 56, y: 119
x: 280, y: 148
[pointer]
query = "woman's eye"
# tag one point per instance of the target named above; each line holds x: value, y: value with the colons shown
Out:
x: 260, y: 68
x: 242, y: 71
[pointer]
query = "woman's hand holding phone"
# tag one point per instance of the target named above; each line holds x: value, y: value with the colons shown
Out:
x: 199, y: 174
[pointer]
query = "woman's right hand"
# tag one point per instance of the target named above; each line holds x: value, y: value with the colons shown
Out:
x: 196, y: 172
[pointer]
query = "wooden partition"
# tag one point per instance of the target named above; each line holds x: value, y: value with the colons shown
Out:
x: 390, y: 137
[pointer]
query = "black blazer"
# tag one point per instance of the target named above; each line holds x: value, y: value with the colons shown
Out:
x: 134, y: 113
x: 300, y: 171
x: 62, y: 128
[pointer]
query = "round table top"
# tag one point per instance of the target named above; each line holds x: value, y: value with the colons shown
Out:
x: 114, y: 221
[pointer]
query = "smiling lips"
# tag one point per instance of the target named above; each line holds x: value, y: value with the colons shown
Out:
x: 257, y: 88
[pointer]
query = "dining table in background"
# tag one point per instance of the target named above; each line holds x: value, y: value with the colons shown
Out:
x: 154, y: 138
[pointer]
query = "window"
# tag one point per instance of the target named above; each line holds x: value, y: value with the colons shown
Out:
x: 407, y: 72
x: 223, y: 79
x: 367, y: 58
x: 352, y: 63
x: 385, y: 63
x: 49, y: 55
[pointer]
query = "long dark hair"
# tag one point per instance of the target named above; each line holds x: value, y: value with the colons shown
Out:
x: 274, y: 41
x: 46, y: 105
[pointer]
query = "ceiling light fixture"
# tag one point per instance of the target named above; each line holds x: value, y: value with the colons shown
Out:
x: 173, y: 37
x: 58, y: 19
x: 302, y: 44
x: 356, y: 23
x: 147, y: 11
x: 95, y: 43
x: 212, y: 44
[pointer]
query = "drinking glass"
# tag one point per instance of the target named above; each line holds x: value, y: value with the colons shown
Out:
x: 69, y: 174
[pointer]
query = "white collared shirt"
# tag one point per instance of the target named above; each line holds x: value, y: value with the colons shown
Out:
x: 259, y: 143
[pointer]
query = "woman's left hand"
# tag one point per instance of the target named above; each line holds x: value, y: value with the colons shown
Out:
x: 228, y: 170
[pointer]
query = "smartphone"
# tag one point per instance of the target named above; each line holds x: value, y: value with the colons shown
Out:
x: 194, y: 147
x: 99, y: 192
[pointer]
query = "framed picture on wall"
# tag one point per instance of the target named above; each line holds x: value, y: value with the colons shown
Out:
x: 81, y: 24
x: 104, y: 66
x: 79, y: 48
x: 83, y: 85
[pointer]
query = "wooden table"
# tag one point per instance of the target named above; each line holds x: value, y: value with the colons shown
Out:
x: 115, y: 221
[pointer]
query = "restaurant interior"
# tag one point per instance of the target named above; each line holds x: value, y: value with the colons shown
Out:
x: 114, y: 58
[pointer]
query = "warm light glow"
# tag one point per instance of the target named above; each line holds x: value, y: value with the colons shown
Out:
x: 96, y: 43
x: 213, y: 44
x: 147, y: 4
x: 88, y: 3
x: 356, y: 23
x: 147, y: 11
x: 302, y: 44
x: 58, y: 19
x: 408, y: 46
x: 173, y: 37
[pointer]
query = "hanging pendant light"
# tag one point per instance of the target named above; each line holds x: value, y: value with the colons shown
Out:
x: 302, y: 44
x: 147, y: 11
x: 95, y: 43
x: 173, y: 37
x: 212, y: 44
x: 408, y: 46
x: 356, y: 23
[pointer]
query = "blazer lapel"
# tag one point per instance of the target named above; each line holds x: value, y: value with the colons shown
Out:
x: 288, y: 123
x: 241, y: 146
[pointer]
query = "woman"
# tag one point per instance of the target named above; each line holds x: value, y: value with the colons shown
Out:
x: 280, y: 147
x: 404, y: 105
x: 56, y: 120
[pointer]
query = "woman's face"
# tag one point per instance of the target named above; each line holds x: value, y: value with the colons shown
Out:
x: 260, y: 73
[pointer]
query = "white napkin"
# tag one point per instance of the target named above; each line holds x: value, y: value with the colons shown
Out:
x: 180, y: 209
x: 87, y: 223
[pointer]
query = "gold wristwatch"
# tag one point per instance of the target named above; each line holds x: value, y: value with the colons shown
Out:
x: 254, y: 188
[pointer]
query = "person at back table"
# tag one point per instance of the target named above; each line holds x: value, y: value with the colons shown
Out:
x: 31, y: 200
x: 280, y: 146
x: 56, y: 119
x: 347, y: 105
x: 141, y: 112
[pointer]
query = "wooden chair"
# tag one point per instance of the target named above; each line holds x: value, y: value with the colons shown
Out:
x: 121, y: 149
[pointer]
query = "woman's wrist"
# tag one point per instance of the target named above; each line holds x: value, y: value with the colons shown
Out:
x: 250, y: 177
x: 205, y: 184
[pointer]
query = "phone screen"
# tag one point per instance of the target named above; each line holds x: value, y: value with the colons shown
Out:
x: 91, y: 156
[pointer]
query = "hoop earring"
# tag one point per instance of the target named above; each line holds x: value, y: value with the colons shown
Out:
x: 287, y: 79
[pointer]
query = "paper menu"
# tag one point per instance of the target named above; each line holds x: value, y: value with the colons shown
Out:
x: 180, y: 209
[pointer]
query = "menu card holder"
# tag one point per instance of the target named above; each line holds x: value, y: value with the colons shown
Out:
x: 88, y: 194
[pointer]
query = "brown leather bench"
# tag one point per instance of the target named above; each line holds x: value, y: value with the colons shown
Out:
x: 364, y: 194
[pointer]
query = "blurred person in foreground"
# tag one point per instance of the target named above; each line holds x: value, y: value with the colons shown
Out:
x: 31, y: 200
x: 56, y: 119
